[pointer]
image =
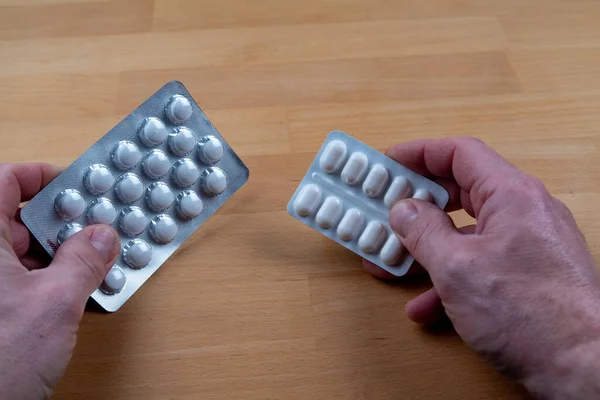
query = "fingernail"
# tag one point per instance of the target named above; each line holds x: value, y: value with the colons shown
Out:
x: 402, y: 216
x: 104, y: 240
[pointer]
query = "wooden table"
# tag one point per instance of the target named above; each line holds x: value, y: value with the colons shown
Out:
x: 256, y: 305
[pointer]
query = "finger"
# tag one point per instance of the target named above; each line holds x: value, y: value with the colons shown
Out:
x: 454, y: 195
x: 20, y: 237
x: 427, y: 308
x: 85, y: 258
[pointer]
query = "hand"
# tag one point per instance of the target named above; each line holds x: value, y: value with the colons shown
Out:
x: 520, y: 287
x: 40, y: 309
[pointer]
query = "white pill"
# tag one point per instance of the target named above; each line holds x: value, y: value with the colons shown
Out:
x: 350, y: 225
x: 185, y: 172
x: 188, y: 205
x: 333, y: 156
x: 102, y: 211
x: 69, y: 204
x: 329, y: 213
x: 156, y: 164
x: 376, y: 180
x: 114, y: 281
x: 137, y: 253
x: 152, y: 132
x: 179, y: 109
x: 391, y: 253
x: 98, y: 179
x: 355, y: 168
x: 308, y: 200
x: 373, y: 236
x: 210, y: 150
x: 133, y: 221
x: 163, y: 229
x: 67, y: 231
x: 182, y: 141
x: 214, y: 181
x: 399, y: 189
x: 129, y: 188
x: 423, y: 194
x: 159, y: 197
x: 126, y: 155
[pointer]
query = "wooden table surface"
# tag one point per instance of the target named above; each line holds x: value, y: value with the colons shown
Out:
x: 256, y: 305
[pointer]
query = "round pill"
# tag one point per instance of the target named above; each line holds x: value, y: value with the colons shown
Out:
x: 399, y: 189
x: 189, y: 205
x: 133, y: 221
x: 182, y: 141
x: 376, y: 180
x: 185, y: 172
x: 307, y: 201
x: 152, y: 132
x: 350, y: 225
x: 372, y: 237
x: 126, y: 155
x: 210, y: 150
x: 333, y: 156
x: 329, y: 213
x: 102, y: 211
x: 423, y: 194
x: 392, y: 251
x: 214, y: 181
x: 163, y: 229
x: 67, y: 231
x: 137, y: 253
x: 159, y: 197
x: 114, y: 281
x: 179, y: 109
x: 156, y: 164
x: 98, y: 179
x: 69, y: 204
x: 129, y: 188
x: 355, y: 168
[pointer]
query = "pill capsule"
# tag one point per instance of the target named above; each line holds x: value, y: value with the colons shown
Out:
x: 392, y: 251
x: 214, y: 181
x: 373, y: 236
x: 333, y: 156
x: 423, y: 194
x: 399, y: 189
x: 329, y: 213
x: 98, y: 179
x: 376, y: 180
x: 355, y: 168
x: 188, y: 205
x: 185, y: 172
x: 102, y: 211
x: 350, y: 225
x: 152, y: 132
x: 133, y: 221
x: 159, y: 197
x: 114, y: 281
x: 137, y: 253
x: 129, y: 188
x: 163, y: 229
x: 125, y: 155
x: 156, y: 164
x: 181, y: 141
x: 308, y: 200
x: 178, y: 109
x: 67, y: 231
x: 69, y: 204
x: 210, y: 150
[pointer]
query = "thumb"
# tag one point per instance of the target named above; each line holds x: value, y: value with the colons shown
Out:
x: 86, y: 258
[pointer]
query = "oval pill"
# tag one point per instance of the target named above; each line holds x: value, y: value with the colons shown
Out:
x: 392, y: 251
x: 185, y: 172
x: 355, y: 168
x: 399, y: 189
x: 98, y: 179
x: 350, y: 225
x: 133, y: 221
x: 159, y: 197
x: 329, y: 213
x: 188, y: 205
x: 152, y: 132
x: 181, y: 141
x: 137, y: 253
x: 333, y: 156
x: 163, y: 229
x: 214, y: 181
x: 156, y: 164
x: 376, y: 180
x: 102, y: 211
x: 178, y: 109
x: 308, y: 200
x: 373, y: 236
x: 114, y: 281
x: 210, y: 150
x: 69, y: 204
x: 423, y: 194
x: 129, y: 188
x: 126, y: 155
x: 67, y: 231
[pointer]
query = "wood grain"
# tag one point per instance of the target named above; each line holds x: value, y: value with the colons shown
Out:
x: 255, y: 305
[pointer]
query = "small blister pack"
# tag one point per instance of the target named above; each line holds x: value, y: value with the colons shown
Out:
x: 347, y: 194
x: 155, y: 177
